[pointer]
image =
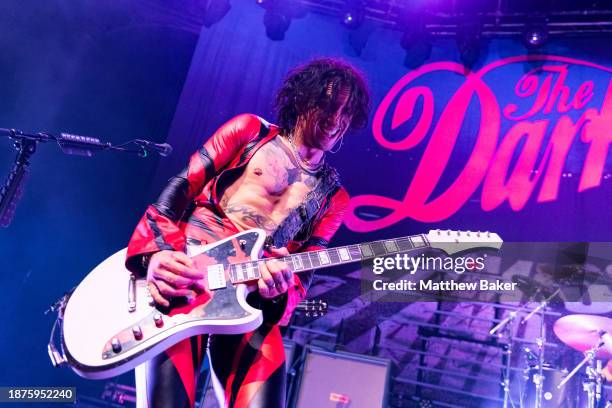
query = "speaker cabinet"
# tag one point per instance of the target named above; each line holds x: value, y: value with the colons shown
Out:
x: 340, y: 379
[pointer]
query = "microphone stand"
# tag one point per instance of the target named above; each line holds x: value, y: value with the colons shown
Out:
x: 26, y: 143
x: 12, y: 190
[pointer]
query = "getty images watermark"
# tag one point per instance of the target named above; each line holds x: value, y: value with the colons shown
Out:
x: 404, y: 264
x: 579, y: 273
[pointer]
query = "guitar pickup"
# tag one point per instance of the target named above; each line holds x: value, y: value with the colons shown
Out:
x: 216, y: 277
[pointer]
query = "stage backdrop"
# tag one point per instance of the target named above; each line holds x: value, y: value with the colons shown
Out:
x: 518, y: 146
x: 520, y: 153
x: 519, y: 141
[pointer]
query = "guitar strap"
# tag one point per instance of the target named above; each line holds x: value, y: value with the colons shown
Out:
x: 300, y: 221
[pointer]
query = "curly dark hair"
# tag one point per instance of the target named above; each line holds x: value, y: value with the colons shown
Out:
x: 306, y: 87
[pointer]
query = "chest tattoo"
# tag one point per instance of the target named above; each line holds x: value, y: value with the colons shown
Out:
x: 249, y: 215
x: 282, y: 167
x: 279, y: 174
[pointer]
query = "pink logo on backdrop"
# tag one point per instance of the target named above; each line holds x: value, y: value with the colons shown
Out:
x: 543, y: 89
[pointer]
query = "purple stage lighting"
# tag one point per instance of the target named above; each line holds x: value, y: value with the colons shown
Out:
x: 535, y: 35
x: 353, y: 14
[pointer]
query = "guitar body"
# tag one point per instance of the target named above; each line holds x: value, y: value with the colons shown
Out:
x: 110, y: 325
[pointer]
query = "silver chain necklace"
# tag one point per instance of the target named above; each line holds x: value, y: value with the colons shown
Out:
x: 304, y: 164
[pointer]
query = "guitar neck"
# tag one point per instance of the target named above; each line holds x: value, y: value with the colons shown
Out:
x: 307, y: 261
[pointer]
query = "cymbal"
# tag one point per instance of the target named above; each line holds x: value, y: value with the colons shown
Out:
x: 583, y: 332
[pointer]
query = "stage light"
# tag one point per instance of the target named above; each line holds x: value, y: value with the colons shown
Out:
x: 416, y: 41
x: 214, y: 11
x: 358, y: 38
x: 276, y: 24
x: 353, y: 13
x: 469, y: 38
x: 535, y: 35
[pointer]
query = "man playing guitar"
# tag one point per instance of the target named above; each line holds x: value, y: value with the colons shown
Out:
x: 249, y: 174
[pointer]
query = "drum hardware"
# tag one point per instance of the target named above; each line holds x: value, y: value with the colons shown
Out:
x: 589, y: 334
x: 503, y: 327
x: 551, y: 396
x: 538, y: 379
x: 593, y: 383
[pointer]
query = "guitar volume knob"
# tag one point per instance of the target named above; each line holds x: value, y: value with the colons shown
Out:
x: 157, y: 318
x: 137, y: 332
x: 116, y: 345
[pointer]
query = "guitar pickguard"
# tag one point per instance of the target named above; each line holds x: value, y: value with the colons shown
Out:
x: 223, y: 304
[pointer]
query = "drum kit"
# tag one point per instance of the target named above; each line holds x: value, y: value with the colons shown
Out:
x: 546, y: 386
x: 592, y: 336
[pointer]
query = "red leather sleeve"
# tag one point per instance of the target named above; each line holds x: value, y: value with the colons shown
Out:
x: 158, y: 228
x: 323, y: 232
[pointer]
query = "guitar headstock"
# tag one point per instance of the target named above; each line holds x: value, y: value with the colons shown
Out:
x: 453, y: 242
x: 312, y: 308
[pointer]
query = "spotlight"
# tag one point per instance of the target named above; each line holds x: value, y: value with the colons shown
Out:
x: 276, y: 24
x: 535, y: 35
x: 358, y: 38
x: 469, y: 37
x: 416, y: 41
x: 353, y: 14
x: 279, y: 14
x: 214, y: 11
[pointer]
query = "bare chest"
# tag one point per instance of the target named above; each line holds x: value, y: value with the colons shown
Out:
x: 274, y: 169
x: 271, y: 185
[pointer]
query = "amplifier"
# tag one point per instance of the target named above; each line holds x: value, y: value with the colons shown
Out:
x: 340, y: 379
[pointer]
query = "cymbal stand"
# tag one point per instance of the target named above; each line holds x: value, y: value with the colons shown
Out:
x: 504, y: 327
x: 538, y: 379
x: 593, y: 384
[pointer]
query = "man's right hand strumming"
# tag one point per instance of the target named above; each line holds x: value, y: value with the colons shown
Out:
x: 173, y: 274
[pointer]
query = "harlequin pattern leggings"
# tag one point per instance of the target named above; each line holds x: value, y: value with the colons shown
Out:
x: 248, y: 370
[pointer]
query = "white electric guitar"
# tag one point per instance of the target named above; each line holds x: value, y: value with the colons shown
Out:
x: 110, y: 324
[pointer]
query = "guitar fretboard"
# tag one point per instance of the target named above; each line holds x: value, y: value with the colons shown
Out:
x: 306, y: 261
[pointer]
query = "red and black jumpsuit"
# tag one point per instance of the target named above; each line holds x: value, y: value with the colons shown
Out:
x: 249, y: 368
